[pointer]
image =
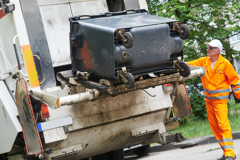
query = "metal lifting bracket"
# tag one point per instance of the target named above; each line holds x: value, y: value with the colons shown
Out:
x: 120, y: 36
x: 176, y: 63
x: 176, y: 27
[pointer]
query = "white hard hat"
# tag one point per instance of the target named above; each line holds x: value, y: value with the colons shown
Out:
x: 215, y: 43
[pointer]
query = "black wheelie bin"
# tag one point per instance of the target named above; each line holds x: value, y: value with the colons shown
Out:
x: 127, y: 44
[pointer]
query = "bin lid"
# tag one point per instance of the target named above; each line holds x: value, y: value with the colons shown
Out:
x: 123, y: 21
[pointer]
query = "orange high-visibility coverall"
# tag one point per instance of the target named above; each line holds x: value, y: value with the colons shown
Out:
x: 216, y: 86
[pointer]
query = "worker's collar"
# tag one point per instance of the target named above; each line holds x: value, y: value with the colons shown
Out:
x: 220, y: 59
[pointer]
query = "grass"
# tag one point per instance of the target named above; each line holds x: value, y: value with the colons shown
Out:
x: 201, y: 128
x: 194, y: 129
x: 233, y: 106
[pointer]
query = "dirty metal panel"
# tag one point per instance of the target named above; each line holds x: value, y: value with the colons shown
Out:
x: 88, y: 7
x: 147, y: 129
x: 69, y: 150
x: 131, y: 4
x: 53, y: 135
x: 27, y: 120
x: 110, y: 109
x: 181, y: 105
x: 38, y: 42
x: 112, y: 136
x: 55, y: 16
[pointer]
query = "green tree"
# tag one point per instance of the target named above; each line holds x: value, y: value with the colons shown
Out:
x: 196, y: 97
x: 207, y: 19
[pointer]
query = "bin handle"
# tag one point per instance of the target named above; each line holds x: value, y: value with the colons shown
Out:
x: 40, y: 68
x: 132, y: 10
x: 108, y: 14
x: 119, y: 13
x: 87, y: 16
x: 136, y: 11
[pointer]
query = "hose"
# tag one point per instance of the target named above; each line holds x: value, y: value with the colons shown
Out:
x: 149, y: 93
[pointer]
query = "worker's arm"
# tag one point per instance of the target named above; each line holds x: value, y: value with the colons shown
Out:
x: 233, y: 80
x: 199, y: 62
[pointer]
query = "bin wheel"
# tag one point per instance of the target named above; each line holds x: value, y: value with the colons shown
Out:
x: 185, y: 72
x: 185, y: 33
x: 129, y: 43
x: 131, y: 82
x: 142, y: 151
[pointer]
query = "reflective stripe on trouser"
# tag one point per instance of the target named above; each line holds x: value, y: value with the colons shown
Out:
x: 218, y: 121
x: 216, y: 96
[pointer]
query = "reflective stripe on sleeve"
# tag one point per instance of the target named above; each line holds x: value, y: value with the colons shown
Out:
x: 217, y: 91
x: 236, y: 89
x: 216, y: 98
x: 225, y: 140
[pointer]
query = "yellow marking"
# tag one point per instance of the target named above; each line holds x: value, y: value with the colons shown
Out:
x: 34, y: 77
x: 58, y: 103
x: 30, y: 65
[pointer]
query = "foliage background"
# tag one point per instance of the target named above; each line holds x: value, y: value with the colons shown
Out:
x: 196, y: 97
x: 207, y: 19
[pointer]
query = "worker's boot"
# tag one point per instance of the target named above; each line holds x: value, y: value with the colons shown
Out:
x: 222, y: 158
x: 230, y: 158
x: 227, y: 158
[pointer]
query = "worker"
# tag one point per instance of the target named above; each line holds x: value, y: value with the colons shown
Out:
x: 220, y: 74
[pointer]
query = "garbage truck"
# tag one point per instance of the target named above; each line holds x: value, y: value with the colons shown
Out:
x: 85, y: 79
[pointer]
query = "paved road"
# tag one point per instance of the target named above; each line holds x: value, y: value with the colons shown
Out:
x: 210, y: 151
